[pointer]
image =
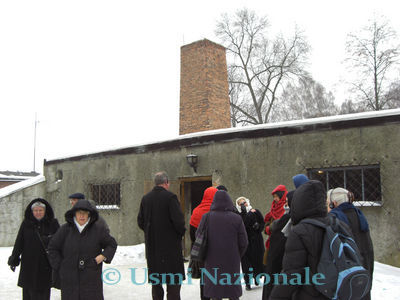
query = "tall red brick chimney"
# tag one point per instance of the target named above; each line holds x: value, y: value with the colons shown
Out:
x: 204, y: 99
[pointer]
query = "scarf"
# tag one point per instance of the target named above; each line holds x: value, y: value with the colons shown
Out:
x: 80, y: 227
x: 339, y: 213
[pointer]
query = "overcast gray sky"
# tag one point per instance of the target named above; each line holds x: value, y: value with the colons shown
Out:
x: 105, y: 74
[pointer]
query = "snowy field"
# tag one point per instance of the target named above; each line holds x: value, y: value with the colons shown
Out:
x: 128, y: 266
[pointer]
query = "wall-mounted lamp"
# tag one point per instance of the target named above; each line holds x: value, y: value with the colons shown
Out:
x: 192, y: 161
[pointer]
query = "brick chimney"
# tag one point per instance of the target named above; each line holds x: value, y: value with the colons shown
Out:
x: 204, y: 100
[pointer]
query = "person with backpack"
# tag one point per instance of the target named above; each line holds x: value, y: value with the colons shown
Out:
x: 340, y: 202
x: 304, y: 243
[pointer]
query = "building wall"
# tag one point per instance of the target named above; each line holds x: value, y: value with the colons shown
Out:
x: 204, y: 100
x: 12, y: 210
x: 251, y: 167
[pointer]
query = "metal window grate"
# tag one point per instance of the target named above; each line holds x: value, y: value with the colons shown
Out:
x: 363, y: 181
x: 106, y: 196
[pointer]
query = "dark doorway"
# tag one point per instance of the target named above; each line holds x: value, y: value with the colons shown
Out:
x: 192, y: 190
x: 197, y: 189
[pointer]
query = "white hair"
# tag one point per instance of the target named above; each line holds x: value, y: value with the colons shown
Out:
x: 338, y: 195
x: 38, y: 204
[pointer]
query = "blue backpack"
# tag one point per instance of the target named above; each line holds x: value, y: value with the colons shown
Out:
x: 340, y: 263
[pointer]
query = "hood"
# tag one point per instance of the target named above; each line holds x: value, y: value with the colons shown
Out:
x: 208, y: 196
x: 222, y: 202
x: 299, y: 179
x: 289, y: 197
x: 309, y: 201
x: 82, y: 205
x: 280, y: 188
x: 239, y: 208
x: 49, y: 214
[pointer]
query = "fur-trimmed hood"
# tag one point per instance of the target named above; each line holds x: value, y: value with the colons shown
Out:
x: 82, y: 205
x: 48, y: 216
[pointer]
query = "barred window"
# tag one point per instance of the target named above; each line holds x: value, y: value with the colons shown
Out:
x: 106, y: 196
x: 363, y: 181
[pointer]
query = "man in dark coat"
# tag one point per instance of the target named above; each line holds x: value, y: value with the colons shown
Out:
x: 304, y: 243
x: 227, y: 243
x: 77, y: 252
x: 161, y: 218
x: 341, y: 201
x: 31, y: 244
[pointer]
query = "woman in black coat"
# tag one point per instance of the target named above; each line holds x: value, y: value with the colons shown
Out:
x: 227, y: 242
x: 254, y: 223
x: 304, y: 243
x: 31, y: 243
x: 277, y: 247
x: 77, y: 252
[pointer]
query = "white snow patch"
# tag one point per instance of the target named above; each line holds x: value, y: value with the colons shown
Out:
x: 385, y: 285
x: 128, y: 255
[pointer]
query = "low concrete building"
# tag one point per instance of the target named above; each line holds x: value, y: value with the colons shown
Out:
x: 358, y: 152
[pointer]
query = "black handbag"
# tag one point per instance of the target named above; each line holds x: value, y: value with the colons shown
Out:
x: 199, y: 249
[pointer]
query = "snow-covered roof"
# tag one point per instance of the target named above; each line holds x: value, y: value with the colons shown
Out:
x: 299, y: 124
x: 8, y: 190
x: 16, y: 176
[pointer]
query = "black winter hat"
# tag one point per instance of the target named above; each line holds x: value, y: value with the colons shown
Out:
x: 289, y: 197
x: 79, y: 196
x: 222, y: 188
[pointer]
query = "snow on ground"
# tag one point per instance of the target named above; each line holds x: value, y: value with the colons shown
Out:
x: 129, y: 266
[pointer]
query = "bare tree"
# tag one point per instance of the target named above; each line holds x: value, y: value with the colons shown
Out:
x: 258, y: 64
x: 306, y: 99
x: 372, y: 54
x: 392, y: 97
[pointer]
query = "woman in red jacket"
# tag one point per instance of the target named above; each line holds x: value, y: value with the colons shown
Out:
x: 276, y: 212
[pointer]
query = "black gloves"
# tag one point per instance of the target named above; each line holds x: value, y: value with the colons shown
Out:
x: 13, y: 262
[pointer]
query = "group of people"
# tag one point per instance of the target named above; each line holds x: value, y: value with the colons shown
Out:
x: 234, y: 238
x: 70, y: 256
x: 67, y: 257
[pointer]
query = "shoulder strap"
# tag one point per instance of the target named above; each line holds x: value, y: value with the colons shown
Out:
x: 314, y: 222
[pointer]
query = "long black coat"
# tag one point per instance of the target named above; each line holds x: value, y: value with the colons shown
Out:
x: 35, y: 273
x: 276, y: 251
x: 161, y: 218
x: 254, y: 224
x: 68, y: 247
x: 304, y: 243
x: 227, y: 243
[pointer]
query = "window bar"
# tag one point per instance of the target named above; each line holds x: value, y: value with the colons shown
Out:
x: 344, y: 179
x: 327, y: 180
x: 362, y: 185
